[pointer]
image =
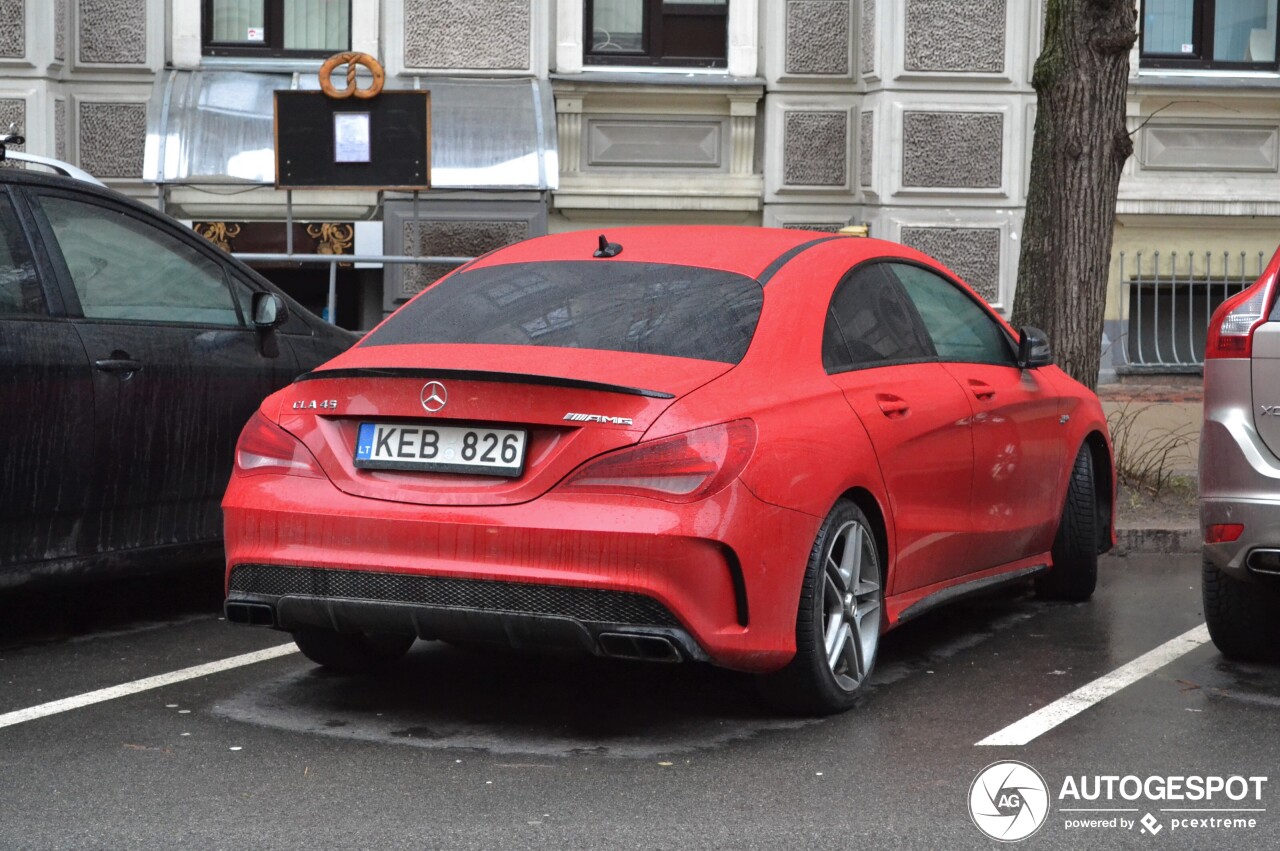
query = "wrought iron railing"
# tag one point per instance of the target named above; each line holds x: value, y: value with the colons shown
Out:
x: 333, y: 260
x: 1166, y: 300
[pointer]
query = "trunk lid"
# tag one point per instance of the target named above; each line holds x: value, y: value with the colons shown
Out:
x: 573, y: 404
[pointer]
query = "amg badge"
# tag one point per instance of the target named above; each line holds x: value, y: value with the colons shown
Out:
x: 597, y: 418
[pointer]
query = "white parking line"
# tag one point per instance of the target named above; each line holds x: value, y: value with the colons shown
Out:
x: 89, y: 698
x: 1043, y: 720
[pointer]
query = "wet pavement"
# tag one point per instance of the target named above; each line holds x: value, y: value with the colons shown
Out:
x: 465, y: 748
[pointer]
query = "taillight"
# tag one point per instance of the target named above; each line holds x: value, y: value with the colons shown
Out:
x: 264, y: 448
x: 1233, y: 323
x: 681, y: 468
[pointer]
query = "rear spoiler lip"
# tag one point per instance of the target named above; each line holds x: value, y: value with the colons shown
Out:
x: 479, y: 375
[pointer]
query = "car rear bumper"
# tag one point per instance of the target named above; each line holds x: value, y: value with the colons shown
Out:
x: 1239, y: 484
x: 520, y: 615
x: 717, y: 580
x: 1255, y: 555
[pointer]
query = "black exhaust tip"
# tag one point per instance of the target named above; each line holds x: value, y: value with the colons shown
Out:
x: 251, y: 614
x: 645, y: 648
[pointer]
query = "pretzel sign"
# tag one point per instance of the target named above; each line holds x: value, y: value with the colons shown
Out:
x: 351, y: 60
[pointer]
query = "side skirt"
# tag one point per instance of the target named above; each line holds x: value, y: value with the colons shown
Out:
x: 911, y: 608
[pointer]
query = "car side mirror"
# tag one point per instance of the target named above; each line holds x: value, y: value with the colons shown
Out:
x: 1033, y: 348
x: 269, y: 311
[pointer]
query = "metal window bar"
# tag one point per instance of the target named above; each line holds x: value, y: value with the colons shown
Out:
x: 1166, y: 302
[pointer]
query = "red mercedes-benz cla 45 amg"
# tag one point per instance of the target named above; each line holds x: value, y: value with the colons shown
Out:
x: 751, y: 447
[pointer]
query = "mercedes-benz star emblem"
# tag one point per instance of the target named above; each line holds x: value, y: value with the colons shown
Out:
x: 434, y: 396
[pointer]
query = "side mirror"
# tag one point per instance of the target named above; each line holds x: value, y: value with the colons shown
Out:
x: 1033, y: 348
x: 269, y: 311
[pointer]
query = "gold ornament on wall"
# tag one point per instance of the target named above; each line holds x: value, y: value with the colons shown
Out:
x: 219, y: 233
x: 332, y: 237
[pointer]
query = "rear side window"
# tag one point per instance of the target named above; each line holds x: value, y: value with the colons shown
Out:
x: 650, y: 308
x: 961, y: 330
x: 870, y: 322
x: 19, y: 287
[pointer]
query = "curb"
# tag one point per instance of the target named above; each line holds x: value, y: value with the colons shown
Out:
x: 1166, y: 541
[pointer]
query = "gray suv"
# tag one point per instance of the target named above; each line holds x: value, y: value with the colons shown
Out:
x: 1240, y: 473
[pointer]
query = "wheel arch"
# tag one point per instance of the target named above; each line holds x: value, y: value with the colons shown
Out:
x: 870, y: 506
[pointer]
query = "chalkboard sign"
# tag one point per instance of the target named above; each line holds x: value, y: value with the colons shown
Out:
x: 382, y: 142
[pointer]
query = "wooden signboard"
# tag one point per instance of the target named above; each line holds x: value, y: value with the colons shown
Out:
x: 381, y: 142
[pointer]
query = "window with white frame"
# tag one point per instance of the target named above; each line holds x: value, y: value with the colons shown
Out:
x: 1209, y: 34
x: 656, y: 32
x: 291, y: 28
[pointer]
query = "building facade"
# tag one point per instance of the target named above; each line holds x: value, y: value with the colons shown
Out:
x: 911, y: 116
x: 1197, y: 215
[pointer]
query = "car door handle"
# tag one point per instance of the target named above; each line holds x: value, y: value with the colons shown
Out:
x: 893, y: 407
x: 118, y: 365
x: 982, y: 390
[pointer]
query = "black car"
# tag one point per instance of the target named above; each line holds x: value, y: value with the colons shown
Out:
x: 132, y: 351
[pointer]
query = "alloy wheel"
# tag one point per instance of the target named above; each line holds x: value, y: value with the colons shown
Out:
x: 851, y: 604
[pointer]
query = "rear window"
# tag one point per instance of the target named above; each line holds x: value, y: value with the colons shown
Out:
x: 650, y: 308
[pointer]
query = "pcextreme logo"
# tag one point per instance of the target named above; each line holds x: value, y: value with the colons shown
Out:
x: 1009, y: 801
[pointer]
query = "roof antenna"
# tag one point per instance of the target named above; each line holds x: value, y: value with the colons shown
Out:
x: 607, y: 248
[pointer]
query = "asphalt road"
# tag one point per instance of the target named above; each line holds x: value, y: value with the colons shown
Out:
x: 467, y: 749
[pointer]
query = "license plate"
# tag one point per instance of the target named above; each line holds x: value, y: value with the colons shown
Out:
x: 441, y: 449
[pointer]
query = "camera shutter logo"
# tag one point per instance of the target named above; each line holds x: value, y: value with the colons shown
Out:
x: 1008, y: 801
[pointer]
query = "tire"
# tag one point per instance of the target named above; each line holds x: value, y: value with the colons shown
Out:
x: 1074, y: 575
x: 1243, y: 617
x: 351, y: 653
x: 840, y: 619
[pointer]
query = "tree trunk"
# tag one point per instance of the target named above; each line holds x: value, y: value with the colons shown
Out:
x: 1081, y: 143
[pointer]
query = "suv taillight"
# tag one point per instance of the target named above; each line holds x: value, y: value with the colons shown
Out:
x: 1233, y: 323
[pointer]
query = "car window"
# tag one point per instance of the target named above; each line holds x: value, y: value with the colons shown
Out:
x: 123, y: 268
x: 244, y: 297
x: 961, y: 329
x: 871, y: 322
x: 19, y: 286
x: 651, y: 308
